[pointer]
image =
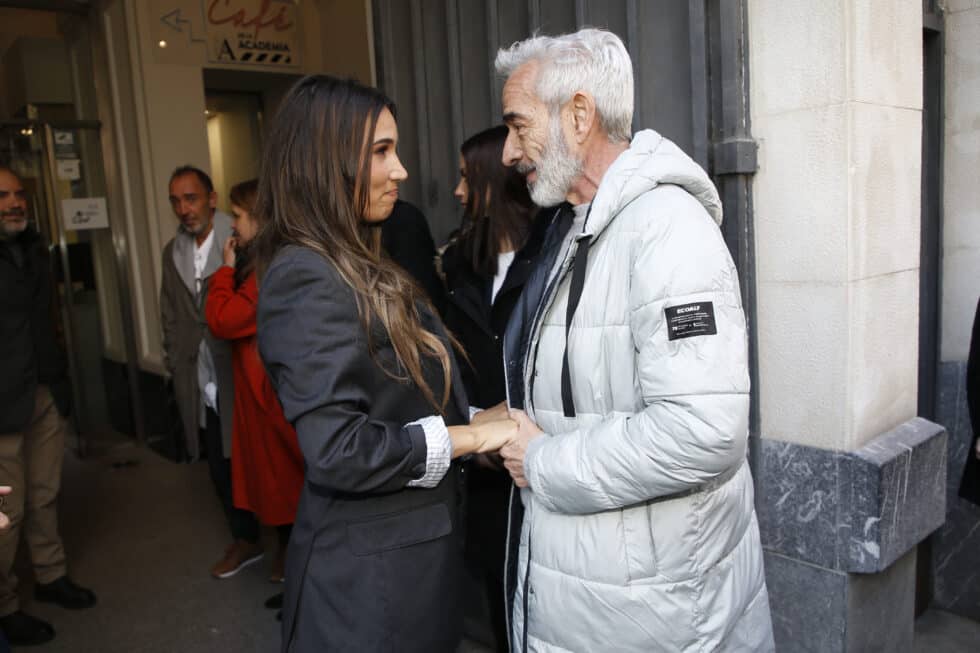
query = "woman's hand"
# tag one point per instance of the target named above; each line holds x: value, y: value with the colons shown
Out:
x: 490, y: 414
x: 229, y: 251
x: 485, y: 437
x: 492, y: 435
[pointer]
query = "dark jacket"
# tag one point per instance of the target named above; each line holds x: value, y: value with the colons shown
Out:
x: 373, y: 565
x: 405, y: 235
x: 970, y: 485
x: 478, y: 325
x: 29, y: 351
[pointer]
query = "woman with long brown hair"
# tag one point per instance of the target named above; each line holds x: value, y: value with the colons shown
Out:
x: 365, y: 371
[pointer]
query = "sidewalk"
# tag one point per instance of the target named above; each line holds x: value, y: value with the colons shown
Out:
x: 143, y: 535
x: 943, y: 632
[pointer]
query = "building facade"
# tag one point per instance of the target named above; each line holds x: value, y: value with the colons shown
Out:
x: 844, y: 136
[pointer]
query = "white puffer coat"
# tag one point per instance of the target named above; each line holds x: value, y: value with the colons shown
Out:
x: 639, y: 516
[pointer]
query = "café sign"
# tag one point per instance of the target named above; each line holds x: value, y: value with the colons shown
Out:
x: 261, y: 32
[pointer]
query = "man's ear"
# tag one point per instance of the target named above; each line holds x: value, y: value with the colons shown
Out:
x: 213, y: 200
x: 583, y: 115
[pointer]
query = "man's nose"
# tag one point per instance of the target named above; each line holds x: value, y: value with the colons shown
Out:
x: 512, y: 150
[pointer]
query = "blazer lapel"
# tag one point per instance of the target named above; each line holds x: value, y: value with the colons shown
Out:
x: 183, y: 254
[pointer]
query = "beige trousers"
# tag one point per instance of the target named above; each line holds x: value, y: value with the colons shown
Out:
x: 30, y: 462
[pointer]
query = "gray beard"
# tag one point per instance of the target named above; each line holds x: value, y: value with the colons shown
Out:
x: 6, y: 233
x: 557, y: 170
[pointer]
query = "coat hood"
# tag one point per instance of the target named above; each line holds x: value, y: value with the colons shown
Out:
x: 650, y: 161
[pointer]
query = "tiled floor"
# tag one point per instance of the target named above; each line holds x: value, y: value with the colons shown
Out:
x: 142, y: 532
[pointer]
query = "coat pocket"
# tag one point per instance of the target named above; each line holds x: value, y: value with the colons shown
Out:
x: 394, y: 531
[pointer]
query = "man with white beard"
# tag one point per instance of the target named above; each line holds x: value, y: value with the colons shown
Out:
x: 628, y: 353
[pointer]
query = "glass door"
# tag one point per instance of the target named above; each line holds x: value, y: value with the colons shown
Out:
x: 62, y: 170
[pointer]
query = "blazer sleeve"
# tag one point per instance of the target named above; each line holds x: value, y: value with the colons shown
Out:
x: 230, y: 313
x: 693, y: 424
x: 315, y: 351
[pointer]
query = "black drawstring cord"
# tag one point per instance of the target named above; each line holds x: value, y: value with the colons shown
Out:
x: 574, y: 295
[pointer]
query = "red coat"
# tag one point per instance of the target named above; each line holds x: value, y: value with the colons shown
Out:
x: 266, y: 461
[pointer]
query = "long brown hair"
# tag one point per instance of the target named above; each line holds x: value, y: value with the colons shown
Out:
x: 318, y: 149
x: 243, y: 196
x: 498, y: 207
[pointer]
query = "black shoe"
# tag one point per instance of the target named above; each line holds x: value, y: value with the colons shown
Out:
x: 274, y: 602
x: 65, y: 593
x: 22, y: 629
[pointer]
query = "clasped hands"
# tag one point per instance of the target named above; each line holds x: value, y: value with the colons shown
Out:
x: 505, y: 433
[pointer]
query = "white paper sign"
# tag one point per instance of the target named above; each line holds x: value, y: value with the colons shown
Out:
x: 69, y: 169
x: 64, y: 144
x: 85, y: 213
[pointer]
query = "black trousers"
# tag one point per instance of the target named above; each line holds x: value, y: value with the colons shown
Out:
x: 242, y: 523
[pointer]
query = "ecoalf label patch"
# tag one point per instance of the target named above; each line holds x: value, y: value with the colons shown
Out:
x: 689, y: 320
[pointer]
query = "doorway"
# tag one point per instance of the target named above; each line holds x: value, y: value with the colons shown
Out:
x: 234, y: 139
x: 930, y: 257
x: 239, y: 106
x: 61, y: 167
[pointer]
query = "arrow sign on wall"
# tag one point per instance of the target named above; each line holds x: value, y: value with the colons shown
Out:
x: 173, y: 20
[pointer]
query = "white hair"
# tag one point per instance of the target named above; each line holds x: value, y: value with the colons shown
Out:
x: 591, y: 60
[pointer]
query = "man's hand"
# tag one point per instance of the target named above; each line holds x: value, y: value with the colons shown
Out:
x: 493, y: 414
x: 229, y: 251
x: 514, y: 451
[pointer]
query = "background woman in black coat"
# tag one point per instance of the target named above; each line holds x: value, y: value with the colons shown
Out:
x: 485, y: 268
x: 970, y: 484
x: 364, y: 370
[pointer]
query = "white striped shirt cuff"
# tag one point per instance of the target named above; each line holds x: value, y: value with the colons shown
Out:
x: 439, y: 451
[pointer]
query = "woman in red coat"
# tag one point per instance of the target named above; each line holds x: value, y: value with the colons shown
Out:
x: 266, y: 462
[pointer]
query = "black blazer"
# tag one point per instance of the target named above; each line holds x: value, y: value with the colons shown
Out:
x: 372, y: 564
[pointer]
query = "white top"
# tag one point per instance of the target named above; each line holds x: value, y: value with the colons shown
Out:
x: 504, y: 261
x: 201, y: 253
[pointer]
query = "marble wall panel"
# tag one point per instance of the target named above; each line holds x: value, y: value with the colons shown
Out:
x: 853, y: 511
